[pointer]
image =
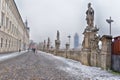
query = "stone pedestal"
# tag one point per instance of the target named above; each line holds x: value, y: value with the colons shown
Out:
x: 67, y: 48
x: 89, y: 36
x: 93, y: 58
x: 90, y: 45
x: 57, y: 46
x: 106, y: 52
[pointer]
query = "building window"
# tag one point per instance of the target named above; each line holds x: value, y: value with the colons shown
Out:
x: 15, y: 30
x: 7, y: 19
x: 6, y: 42
x: 10, y: 25
x: 12, y: 28
x: 9, y: 43
x: 1, y: 42
x: 2, y: 19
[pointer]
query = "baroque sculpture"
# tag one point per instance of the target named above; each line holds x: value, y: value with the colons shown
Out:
x: 48, y: 43
x: 57, y: 41
x: 90, y: 33
x: 90, y: 15
x: 58, y: 35
x: 44, y: 45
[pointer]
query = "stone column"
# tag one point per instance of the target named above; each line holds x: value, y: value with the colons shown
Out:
x: 57, y: 46
x: 86, y: 50
x: 48, y: 45
x: 89, y: 50
x: 67, y: 47
x: 106, y: 51
x: 57, y: 43
x: 44, y: 46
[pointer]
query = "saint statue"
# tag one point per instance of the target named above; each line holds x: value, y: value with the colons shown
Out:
x: 48, y: 43
x: 58, y: 35
x: 44, y: 45
x: 90, y: 15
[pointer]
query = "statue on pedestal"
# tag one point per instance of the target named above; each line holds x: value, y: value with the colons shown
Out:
x: 90, y: 39
x: 57, y: 41
x: 48, y: 43
x: 58, y: 35
x: 44, y: 45
x: 90, y: 15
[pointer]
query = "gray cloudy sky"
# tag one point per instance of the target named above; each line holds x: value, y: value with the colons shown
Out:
x: 45, y: 17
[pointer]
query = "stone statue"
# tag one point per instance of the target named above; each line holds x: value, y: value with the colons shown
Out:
x: 48, y: 43
x: 57, y: 42
x: 58, y: 35
x: 48, y: 40
x: 44, y: 45
x: 90, y: 15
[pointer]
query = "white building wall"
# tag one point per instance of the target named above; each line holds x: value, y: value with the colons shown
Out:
x: 13, y: 30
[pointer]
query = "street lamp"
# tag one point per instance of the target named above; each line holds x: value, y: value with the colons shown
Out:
x: 109, y: 22
x: 69, y: 38
x: 67, y: 47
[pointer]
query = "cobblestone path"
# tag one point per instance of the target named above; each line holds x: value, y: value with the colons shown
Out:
x: 33, y: 66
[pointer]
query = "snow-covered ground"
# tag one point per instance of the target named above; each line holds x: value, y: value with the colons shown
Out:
x: 72, y: 67
x: 10, y: 55
x: 84, y: 72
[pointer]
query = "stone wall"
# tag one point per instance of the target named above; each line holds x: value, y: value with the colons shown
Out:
x: 106, y: 52
x: 101, y: 58
x: 75, y: 55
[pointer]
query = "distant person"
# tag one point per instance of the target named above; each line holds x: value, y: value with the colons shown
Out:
x: 19, y: 50
x: 34, y: 50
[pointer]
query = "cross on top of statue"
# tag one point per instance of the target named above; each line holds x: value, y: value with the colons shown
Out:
x: 109, y: 21
x: 90, y: 16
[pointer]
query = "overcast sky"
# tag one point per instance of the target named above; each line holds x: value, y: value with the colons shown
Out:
x: 45, y: 17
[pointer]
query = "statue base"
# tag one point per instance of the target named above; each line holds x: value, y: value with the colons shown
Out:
x: 90, y: 46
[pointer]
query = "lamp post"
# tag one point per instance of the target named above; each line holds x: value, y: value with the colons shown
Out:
x: 69, y: 39
x: 109, y: 22
x: 67, y: 47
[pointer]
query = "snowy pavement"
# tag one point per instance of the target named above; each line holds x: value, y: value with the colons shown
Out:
x: 10, y: 55
x: 92, y: 73
x: 85, y: 72
x: 45, y: 66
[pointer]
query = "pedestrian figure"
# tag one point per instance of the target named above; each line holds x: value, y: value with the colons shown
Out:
x: 19, y: 50
x: 34, y: 50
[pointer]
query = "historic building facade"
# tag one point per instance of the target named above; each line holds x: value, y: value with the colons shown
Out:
x: 14, y: 35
